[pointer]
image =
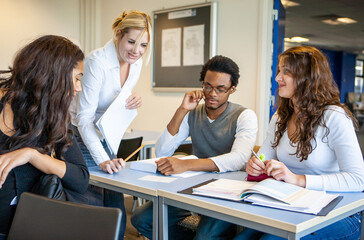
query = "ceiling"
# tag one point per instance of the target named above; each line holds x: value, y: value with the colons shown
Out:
x: 304, y: 21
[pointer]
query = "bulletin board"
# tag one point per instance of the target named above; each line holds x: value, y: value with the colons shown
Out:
x: 184, y: 40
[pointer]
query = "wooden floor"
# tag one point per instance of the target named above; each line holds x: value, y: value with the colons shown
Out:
x: 130, y: 233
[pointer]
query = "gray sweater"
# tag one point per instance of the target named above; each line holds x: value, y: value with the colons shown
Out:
x: 216, y: 138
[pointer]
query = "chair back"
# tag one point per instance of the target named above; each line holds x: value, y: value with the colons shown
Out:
x: 184, y: 149
x: 128, y: 146
x: 39, y: 217
x: 353, y: 97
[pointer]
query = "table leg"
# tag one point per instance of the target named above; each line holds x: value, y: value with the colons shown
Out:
x: 163, y: 218
x: 155, y: 218
x: 362, y: 226
x: 148, y: 153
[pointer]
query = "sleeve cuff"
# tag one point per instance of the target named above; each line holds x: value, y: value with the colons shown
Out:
x: 314, y: 182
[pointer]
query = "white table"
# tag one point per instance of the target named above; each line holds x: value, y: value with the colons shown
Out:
x: 128, y: 181
x: 286, y: 224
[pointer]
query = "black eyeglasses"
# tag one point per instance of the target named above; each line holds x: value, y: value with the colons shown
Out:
x: 219, y: 90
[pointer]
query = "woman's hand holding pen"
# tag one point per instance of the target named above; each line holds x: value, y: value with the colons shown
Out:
x: 276, y: 169
x: 112, y: 166
x: 134, y: 101
x: 255, y: 167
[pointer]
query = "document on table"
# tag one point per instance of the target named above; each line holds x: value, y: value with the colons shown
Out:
x: 149, y: 165
x: 154, y: 178
x: 114, y: 122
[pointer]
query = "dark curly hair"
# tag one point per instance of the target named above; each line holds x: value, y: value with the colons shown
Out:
x: 39, y: 88
x: 223, y: 65
x: 315, y: 89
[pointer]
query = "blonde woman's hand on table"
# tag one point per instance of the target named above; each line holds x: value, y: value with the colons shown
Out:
x: 112, y: 166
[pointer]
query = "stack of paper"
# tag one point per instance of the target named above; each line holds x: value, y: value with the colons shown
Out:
x: 149, y: 165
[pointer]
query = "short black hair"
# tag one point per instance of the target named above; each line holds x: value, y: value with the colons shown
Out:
x: 223, y: 65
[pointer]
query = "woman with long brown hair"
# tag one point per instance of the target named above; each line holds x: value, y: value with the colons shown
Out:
x: 35, y: 95
x: 311, y: 140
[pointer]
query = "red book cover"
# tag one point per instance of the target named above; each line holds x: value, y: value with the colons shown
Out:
x: 259, y: 178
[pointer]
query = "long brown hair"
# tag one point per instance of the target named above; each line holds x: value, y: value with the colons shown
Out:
x: 39, y: 88
x: 315, y: 89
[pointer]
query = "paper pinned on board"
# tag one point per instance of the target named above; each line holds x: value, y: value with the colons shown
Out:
x: 114, y: 122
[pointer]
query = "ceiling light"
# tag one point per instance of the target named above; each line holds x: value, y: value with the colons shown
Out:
x: 339, y: 21
x: 287, y: 3
x: 346, y: 20
x: 296, y: 39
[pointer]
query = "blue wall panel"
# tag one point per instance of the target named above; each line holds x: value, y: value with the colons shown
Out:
x: 342, y: 66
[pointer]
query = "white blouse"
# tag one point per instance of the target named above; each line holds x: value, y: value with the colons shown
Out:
x: 100, y: 86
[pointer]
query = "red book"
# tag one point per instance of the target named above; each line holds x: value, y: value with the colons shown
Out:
x: 259, y: 178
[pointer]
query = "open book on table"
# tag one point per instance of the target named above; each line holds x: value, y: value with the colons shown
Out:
x: 149, y: 165
x: 269, y: 192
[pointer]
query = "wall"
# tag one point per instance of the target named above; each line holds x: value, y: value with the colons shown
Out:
x: 243, y: 33
x: 22, y: 20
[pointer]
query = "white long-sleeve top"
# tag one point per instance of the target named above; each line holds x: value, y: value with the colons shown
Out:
x: 336, y: 164
x: 100, y: 86
x: 245, y: 136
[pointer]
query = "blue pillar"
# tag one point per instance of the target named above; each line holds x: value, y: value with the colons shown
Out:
x: 342, y: 66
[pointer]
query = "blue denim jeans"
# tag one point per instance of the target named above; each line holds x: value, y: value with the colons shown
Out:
x: 98, y: 196
x: 208, y: 228
x: 345, y: 229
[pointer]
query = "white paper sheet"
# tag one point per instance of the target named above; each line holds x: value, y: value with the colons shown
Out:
x: 171, y: 47
x: 154, y: 178
x: 193, y: 45
x: 149, y: 165
x: 114, y: 122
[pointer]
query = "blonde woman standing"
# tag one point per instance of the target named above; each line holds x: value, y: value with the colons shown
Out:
x: 107, y: 70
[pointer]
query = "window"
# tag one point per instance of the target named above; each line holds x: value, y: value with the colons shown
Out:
x: 359, y: 76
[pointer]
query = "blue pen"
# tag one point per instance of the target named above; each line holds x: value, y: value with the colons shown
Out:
x: 130, y: 100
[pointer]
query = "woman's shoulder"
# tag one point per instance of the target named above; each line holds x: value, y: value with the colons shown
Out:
x: 335, y: 114
x: 105, y: 55
x: 334, y: 110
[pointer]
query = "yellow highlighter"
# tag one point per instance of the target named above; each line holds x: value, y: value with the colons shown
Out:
x: 261, y: 157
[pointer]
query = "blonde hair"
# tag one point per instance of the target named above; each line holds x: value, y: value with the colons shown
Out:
x: 134, y: 20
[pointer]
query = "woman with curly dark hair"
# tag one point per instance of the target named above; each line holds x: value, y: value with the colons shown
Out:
x: 35, y: 135
x: 311, y: 140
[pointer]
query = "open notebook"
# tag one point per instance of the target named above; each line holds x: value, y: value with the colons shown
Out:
x: 269, y: 193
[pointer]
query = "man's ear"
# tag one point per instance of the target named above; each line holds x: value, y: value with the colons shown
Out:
x: 232, y: 89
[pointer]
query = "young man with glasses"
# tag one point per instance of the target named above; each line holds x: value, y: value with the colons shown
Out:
x: 222, y: 134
